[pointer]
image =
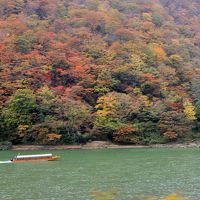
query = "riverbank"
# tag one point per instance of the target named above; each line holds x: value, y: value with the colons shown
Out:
x: 102, y: 145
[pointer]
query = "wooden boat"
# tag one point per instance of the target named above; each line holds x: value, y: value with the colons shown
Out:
x: 33, y: 158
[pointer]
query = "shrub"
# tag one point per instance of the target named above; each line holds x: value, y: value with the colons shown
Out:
x: 125, y: 135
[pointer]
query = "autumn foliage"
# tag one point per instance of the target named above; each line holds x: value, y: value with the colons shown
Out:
x: 73, y: 71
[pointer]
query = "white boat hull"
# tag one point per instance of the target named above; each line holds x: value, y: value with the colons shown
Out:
x: 5, y: 162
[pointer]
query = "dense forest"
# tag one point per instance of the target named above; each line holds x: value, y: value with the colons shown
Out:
x: 127, y: 71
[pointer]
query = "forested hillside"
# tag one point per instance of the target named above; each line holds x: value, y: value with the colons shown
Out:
x: 127, y: 71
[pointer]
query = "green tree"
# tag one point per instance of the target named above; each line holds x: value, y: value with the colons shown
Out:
x: 23, y: 44
x: 20, y: 111
x: 173, y: 125
x: 157, y: 20
x: 46, y: 100
x: 112, y: 112
x: 197, y: 110
x: 21, y: 108
x: 71, y: 119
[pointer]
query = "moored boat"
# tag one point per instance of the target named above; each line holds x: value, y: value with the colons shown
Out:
x: 32, y: 158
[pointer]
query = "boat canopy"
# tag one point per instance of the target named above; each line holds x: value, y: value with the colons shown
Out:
x: 33, y: 156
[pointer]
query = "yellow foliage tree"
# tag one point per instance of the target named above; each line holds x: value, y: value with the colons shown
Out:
x: 136, y: 61
x: 159, y: 52
x: 105, y: 106
x: 189, y: 110
x: 175, y: 60
x: 174, y: 197
x: 147, y: 16
x: 175, y: 42
x: 145, y: 101
x: 22, y: 130
x: 53, y: 136
x: 103, y: 6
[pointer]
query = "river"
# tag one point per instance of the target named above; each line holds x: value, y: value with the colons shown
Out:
x: 133, y: 173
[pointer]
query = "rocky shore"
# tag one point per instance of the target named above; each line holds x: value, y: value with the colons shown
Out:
x: 102, y: 145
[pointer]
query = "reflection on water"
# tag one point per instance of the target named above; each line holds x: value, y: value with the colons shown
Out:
x: 134, y: 173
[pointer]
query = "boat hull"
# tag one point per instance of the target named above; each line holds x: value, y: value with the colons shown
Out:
x: 54, y: 158
x: 5, y: 162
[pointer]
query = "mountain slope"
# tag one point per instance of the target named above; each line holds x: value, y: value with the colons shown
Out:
x: 125, y: 71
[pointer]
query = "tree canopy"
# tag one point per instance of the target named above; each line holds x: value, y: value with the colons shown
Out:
x: 76, y: 70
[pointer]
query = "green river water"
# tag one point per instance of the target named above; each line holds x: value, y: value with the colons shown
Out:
x: 134, y: 173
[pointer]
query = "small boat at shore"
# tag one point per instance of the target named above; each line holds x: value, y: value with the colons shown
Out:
x: 33, y: 158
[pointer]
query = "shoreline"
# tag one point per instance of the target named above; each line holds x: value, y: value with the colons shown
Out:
x: 102, y: 145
